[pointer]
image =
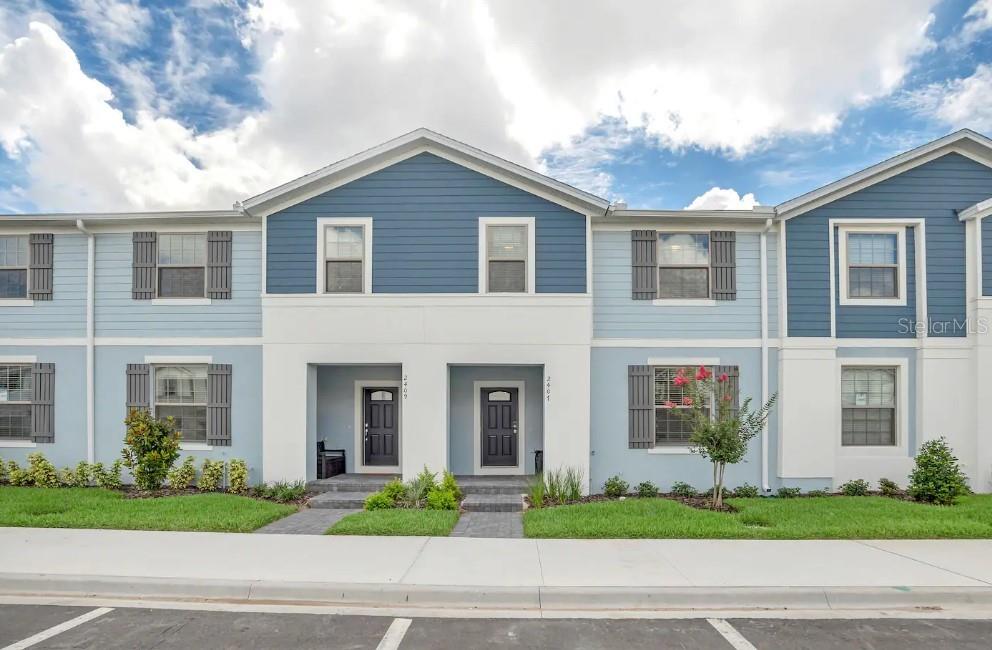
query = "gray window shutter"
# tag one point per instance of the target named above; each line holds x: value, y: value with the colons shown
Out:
x: 43, y: 402
x: 723, y: 264
x: 219, y: 251
x: 40, y: 265
x: 143, y: 263
x: 643, y: 264
x: 219, y: 404
x: 733, y: 384
x: 640, y: 405
x: 138, y: 377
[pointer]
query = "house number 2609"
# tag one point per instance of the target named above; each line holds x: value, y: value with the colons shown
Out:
x: 406, y: 387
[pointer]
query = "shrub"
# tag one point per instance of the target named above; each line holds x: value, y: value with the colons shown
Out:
x: 647, y: 489
x: 888, y: 487
x: 421, y: 485
x: 211, y: 475
x: 182, y: 476
x: 683, y: 489
x: 855, y: 488
x: 747, y: 491
x: 3, y: 471
x: 564, y: 485
x: 615, y: 487
x: 41, y: 472
x: 284, y: 491
x: 536, y: 490
x: 79, y: 477
x: 449, y: 483
x: 239, y: 476
x: 151, y: 447
x: 378, y: 501
x: 818, y: 493
x: 16, y: 475
x: 395, y: 490
x: 937, y: 477
x: 109, y: 479
x: 573, y: 483
x: 441, y: 499
x: 789, y: 492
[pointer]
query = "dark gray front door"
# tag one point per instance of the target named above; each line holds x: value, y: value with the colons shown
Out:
x: 499, y: 427
x: 381, y: 427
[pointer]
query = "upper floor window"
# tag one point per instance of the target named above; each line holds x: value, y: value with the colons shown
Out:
x: 670, y: 428
x: 683, y: 265
x: 506, y: 255
x: 344, y: 259
x: 872, y: 265
x: 868, y: 406
x: 182, y: 262
x: 181, y: 393
x: 14, y: 266
x: 15, y: 401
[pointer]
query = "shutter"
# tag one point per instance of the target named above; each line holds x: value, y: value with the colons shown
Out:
x: 40, y: 266
x: 640, y: 405
x: 733, y: 386
x: 43, y: 402
x: 219, y: 404
x: 219, y: 251
x: 723, y: 264
x: 143, y: 263
x: 643, y: 264
x: 137, y: 386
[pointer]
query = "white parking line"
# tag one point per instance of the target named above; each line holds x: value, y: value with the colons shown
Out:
x: 728, y: 632
x: 59, y: 629
x: 395, y: 633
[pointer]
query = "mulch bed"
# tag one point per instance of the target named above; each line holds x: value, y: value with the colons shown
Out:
x: 700, y: 502
x: 132, y: 492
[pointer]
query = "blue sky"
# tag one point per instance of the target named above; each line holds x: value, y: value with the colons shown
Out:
x: 120, y: 104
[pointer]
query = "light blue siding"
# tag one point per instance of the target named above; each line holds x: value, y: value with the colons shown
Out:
x: 461, y: 414
x: 65, y: 314
x: 425, y: 213
x: 933, y: 191
x: 986, y: 257
x: 117, y: 314
x: 617, y: 315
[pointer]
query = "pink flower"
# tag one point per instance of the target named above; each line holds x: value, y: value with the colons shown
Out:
x: 722, y: 378
x: 687, y: 401
x: 669, y: 404
x: 680, y: 380
x: 726, y: 398
x: 703, y: 373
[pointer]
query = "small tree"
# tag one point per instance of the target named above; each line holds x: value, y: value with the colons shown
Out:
x: 720, y: 430
x: 937, y: 477
x: 150, y: 448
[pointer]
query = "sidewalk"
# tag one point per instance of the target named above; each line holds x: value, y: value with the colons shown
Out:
x: 497, y: 573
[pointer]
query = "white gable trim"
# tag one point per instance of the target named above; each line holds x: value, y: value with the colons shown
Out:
x: 978, y: 211
x: 412, y: 144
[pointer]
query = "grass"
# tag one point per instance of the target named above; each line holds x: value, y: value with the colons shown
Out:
x: 99, y: 508
x: 805, y: 518
x: 397, y: 521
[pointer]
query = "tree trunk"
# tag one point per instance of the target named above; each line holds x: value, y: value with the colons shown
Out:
x: 719, y: 498
x: 716, y: 473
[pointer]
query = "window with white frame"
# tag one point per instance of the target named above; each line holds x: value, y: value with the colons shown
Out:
x: 506, y: 258
x: 182, y: 265
x: 670, y: 428
x: 868, y: 406
x: 14, y: 266
x: 181, y: 393
x: 344, y: 259
x: 872, y: 265
x: 15, y: 401
x: 683, y: 265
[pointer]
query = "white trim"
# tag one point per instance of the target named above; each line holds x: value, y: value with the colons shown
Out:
x: 360, y: 467
x: 843, y: 230
x: 366, y: 224
x: 178, y: 359
x: 589, y: 254
x: 420, y: 300
x: 901, y: 448
x: 679, y: 343
x: 687, y: 362
x: 980, y: 210
x: 531, y: 263
x: 979, y: 271
x: 670, y: 450
x: 695, y: 224
x: 16, y: 302
x: 18, y: 358
x: 90, y: 340
x: 684, y: 302
x: 194, y: 446
x: 18, y: 444
x: 477, y: 466
x: 783, y: 284
x: 763, y: 303
x: 80, y: 341
x: 186, y: 302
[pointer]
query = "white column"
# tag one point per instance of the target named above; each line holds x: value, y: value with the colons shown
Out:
x: 946, y: 398
x: 284, y: 413
x: 809, y: 404
x: 424, y: 411
x: 982, y: 326
x: 566, y: 394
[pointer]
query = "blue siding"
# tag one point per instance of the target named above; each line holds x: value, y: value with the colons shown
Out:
x: 117, y: 314
x: 617, y: 315
x: 933, y: 191
x: 986, y: 257
x: 65, y: 314
x: 425, y: 213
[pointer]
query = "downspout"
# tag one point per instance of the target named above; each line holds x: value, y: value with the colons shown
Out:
x: 90, y: 341
x: 763, y: 241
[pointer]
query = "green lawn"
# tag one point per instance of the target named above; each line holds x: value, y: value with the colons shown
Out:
x: 99, y: 508
x: 804, y: 518
x: 398, y: 521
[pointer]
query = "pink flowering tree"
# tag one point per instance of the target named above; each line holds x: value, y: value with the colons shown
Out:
x: 720, y: 430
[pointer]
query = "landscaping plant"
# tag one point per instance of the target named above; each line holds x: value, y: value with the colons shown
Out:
x: 855, y: 488
x: 16, y: 475
x: 647, y: 489
x: 937, y: 477
x: 817, y: 493
x: 536, y: 490
x: 239, y: 476
x: 151, y: 447
x: 441, y: 499
x: 789, y: 492
x: 284, y: 491
x: 746, y: 491
x: 449, y: 483
x: 41, y: 472
x: 683, y: 489
x: 183, y: 476
x: 378, y: 501
x: 211, y: 475
x: 108, y: 478
x: 421, y: 485
x: 888, y: 487
x: 615, y: 487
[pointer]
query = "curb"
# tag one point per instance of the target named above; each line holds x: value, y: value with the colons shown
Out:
x: 504, y: 598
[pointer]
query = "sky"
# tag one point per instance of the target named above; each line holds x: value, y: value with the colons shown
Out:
x: 119, y: 105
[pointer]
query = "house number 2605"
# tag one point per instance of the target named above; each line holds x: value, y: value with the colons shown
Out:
x: 406, y: 386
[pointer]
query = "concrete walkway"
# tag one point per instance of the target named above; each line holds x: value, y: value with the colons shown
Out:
x: 503, y: 573
x: 490, y: 524
x: 309, y: 521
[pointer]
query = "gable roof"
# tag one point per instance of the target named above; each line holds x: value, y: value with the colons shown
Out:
x: 965, y: 142
x: 412, y: 144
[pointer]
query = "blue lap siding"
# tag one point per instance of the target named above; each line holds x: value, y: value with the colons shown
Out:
x: 425, y: 212
x: 986, y: 257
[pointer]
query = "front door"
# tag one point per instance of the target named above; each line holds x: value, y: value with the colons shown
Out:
x: 381, y: 427
x: 499, y: 427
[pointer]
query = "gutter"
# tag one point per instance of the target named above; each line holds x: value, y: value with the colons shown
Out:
x: 90, y: 341
x: 763, y: 242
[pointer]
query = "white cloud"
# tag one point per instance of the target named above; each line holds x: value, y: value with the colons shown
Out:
x: 978, y: 20
x: 717, y: 198
x: 114, y: 22
x: 959, y: 103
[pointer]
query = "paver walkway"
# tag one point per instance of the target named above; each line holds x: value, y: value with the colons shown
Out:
x: 489, y: 524
x: 310, y: 521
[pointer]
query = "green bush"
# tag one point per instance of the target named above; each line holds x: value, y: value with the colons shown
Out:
x: 615, y: 487
x: 536, y: 490
x: 16, y: 475
x: 41, y: 472
x: 441, y: 499
x: 418, y: 489
x: 937, y: 477
x: 211, y: 475
x: 746, y: 491
x: 3, y: 471
x: 151, y: 446
x: 855, y: 488
x: 78, y: 477
x: 647, y: 489
x: 182, y: 476
x: 789, y: 492
x: 449, y: 483
x: 564, y: 485
x: 109, y: 479
x: 379, y: 501
x: 395, y: 490
x: 683, y: 489
x: 888, y: 487
x: 285, y: 491
x: 818, y: 493
x: 239, y: 476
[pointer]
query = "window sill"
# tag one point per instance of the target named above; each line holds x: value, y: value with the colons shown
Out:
x: 674, y: 450
x: 16, y: 302
x: 872, y: 302
x: 182, y: 301
x: 18, y: 444
x: 687, y: 302
x: 195, y: 446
